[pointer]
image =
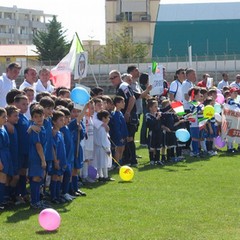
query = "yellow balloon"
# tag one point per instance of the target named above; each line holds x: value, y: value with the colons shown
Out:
x: 208, y: 112
x: 126, y: 173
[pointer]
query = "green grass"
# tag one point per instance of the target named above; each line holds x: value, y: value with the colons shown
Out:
x: 195, y: 199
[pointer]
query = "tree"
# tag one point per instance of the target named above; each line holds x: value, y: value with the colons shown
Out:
x: 51, y: 44
x: 121, y: 48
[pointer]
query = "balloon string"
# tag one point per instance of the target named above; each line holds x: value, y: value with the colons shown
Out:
x: 115, y: 161
x: 110, y: 155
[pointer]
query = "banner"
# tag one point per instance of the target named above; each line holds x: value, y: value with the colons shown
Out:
x: 61, y: 74
x: 155, y: 74
x: 81, y: 65
x: 231, y: 123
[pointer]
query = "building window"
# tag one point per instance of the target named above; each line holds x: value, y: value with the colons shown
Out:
x: 23, y: 30
x: 8, y: 15
x: 128, y: 16
x: 11, y: 30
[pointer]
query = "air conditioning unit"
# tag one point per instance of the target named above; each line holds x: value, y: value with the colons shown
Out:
x: 143, y: 18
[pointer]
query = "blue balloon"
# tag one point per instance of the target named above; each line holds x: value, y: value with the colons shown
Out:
x: 80, y: 95
x: 182, y: 135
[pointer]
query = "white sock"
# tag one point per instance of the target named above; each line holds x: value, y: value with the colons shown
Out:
x: 203, y: 146
x: 105, y: 172
x: 100, y: 172
x: 85, y: 169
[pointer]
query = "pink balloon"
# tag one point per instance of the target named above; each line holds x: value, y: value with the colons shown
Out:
x: 49, y: 219
x: 220, y: 98
x: 219, y: 142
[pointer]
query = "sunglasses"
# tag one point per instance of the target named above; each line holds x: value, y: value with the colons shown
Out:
x: 112, y: 78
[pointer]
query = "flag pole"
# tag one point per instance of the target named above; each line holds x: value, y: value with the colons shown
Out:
x: 93, y: 75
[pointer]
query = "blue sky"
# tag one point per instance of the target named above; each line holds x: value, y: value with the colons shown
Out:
x: 87, y: 18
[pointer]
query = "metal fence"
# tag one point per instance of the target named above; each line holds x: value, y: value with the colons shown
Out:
x: 215, y: 64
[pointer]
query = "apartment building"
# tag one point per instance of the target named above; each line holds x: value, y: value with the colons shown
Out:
x: 140, y: 16
x: 17, y: 25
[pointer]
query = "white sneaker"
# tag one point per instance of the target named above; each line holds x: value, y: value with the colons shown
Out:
x: 19, y: 200
x: 67, y: 197
x: 212, y: 153
x: 215, y: 153
x: 152, y: 162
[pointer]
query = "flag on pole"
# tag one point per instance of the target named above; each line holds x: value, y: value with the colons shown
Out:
x: 154, y: 67
x: 61, y: 73
x: 178, y: 108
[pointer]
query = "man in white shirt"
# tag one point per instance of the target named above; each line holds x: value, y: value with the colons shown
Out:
x: 30, y: 75
x: 224, y: 82
x: 236, y: 83
x: 186, y: 86
x: 44, y: 84
x: 175, y: 90
x: 7, y: 81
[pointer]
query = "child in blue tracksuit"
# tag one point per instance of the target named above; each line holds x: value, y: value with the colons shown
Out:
x: 48, y: 105
x: 118, y: 129
x: 21, y: 102
x: 13, y: 115
x: 196, y: 108
x: 68, y: 182
x: 210, y: 130
x: 69, y: 146
x: 78, y: 133
x: 60, y: 161
x: 5, y: 163
x: 37, y: 162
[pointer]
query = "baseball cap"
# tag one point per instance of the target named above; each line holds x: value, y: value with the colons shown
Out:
x: 233, y: 90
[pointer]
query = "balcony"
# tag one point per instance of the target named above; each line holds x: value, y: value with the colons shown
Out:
x: 23, y: 23
x: 7, y: 22
x: 133, y: 17
x: 23, y: 36
x: 6, y: 35
x: 38, y: 25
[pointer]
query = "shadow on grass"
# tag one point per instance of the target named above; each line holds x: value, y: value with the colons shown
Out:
x: 97, y: 184
x: 24, y: 214
x: 44, y: 232
x: 147, y: 167
x: 125, y: 182
x: 21, y: 215
x: 141, y: 147
x: 173, y: 166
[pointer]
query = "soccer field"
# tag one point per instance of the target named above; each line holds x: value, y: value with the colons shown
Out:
x: 194, y: 199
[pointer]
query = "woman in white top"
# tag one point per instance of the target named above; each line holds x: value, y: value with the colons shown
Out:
x: 44, y: 84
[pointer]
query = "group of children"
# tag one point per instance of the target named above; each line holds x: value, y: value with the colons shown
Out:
x: 163, y: 122
x: 58, y: 142
x: 49, y: 149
